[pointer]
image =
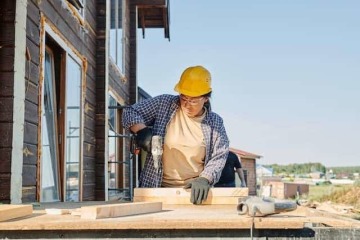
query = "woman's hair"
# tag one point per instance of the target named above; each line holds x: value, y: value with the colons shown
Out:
x: 207, y: 104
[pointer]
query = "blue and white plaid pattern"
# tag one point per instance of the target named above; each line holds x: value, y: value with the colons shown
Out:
x: 157, y: 112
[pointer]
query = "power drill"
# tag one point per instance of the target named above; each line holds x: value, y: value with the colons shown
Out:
x: 134, y: 149
x: 156, y: 148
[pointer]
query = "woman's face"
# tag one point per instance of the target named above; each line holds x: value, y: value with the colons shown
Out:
x: 192, y: 106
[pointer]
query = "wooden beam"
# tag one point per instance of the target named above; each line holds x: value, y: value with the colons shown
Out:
x: 119, y: 210
x: 14, y: 211
x: 154, y: 3
x: 182, y: 196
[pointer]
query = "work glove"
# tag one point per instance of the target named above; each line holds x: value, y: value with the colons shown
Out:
x: 199, y: 190
x: 143, y: 139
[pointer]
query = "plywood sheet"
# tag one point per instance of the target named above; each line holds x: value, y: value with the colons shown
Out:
x: 119, y: 210
x: 185, y: 217
x: 14, y: 211
x: 182, y: 196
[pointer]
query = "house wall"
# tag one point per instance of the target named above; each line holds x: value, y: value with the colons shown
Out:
x: 85, y: 37
x: 79, y: 35
x: 249, y: 165
x: 7, y: 39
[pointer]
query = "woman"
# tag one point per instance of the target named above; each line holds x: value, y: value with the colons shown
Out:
x: 195, y: 144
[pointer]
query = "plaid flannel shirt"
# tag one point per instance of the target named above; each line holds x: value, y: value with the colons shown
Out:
x: 157, y: 112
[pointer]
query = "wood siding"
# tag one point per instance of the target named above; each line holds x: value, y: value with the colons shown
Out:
x: 7, y: 44
x: 100, y: 100
x: 85, y: 37
x: 82, y: 39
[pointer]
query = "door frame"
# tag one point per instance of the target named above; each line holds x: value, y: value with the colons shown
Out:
x: 48, y: 29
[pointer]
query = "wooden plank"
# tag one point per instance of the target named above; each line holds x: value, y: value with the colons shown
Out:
x: 30, y: 133
x: 29, y: 194
x: 57, y: 211
x: 29, y: 175
x: 6, y: 135
x: 7, y: 83
x: 6, y: 109
x: 29, y: 154
x: 14, y: 211
x: 119, y: 210
x: 5, y: 187
x: 149, y: 2
x: 31, y: 112
x: 182, y: 196
x: 5, y: 162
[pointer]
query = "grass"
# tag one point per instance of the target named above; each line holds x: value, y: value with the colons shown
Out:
x: 329, y: 192
x: 340, y: 194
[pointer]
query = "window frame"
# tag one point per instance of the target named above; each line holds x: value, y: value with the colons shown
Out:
x: 122, y: 37
x: 51, y: 31
x: 120, y: 176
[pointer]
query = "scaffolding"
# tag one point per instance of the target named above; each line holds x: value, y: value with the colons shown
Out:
x: 115, y: 163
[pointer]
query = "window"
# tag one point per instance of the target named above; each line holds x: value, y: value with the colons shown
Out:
x: 116, y: 165
x: 113, y: 149
x: 116, y: 32
x: 50, y: 187
x: 73, y: 129
x: 246, y: 176
x: 61, y: 127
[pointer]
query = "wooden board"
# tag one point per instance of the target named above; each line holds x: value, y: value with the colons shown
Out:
x: 14, y: 211
x: 119, y: 210
x: 57, y: 211
x: 182, y: 196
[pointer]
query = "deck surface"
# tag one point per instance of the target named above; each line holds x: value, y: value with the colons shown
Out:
x: 174, y: 217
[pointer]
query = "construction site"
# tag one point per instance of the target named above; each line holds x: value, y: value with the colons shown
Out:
x: 68, y: 166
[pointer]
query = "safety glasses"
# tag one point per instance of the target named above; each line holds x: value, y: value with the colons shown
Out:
x: 191, y: 101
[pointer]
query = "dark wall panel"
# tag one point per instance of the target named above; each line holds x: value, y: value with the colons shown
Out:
x: 32, y: 74
x: 29, y: 175
x: 7, y: 43
x: 5, y: 187
x: 6, y: 135
x: 6, y: 109
x: 100, y: 99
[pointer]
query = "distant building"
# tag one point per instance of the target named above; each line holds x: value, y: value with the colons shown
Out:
x: 262, y: 171
x: 248, y: 163
x: 282, y: 190
x: 316, y: 175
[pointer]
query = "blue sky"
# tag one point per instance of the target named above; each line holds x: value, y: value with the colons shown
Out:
x: 286, y: 74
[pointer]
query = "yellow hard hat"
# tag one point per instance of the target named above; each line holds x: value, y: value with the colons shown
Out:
x: 194, y: 82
